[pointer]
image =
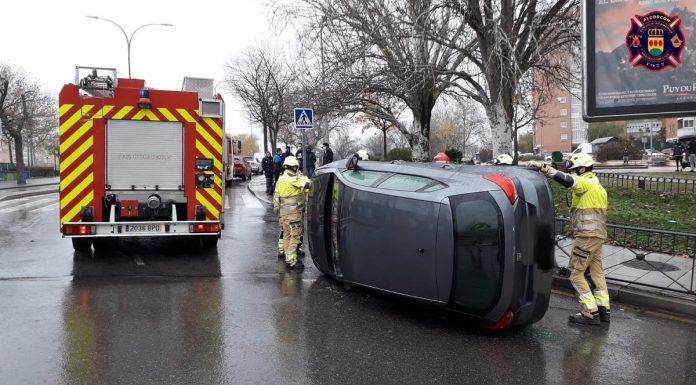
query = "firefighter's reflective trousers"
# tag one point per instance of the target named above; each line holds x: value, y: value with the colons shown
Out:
x: 291, y: 224
x: 587, y: 253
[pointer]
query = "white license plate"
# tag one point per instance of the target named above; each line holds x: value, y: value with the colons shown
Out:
x: 154, y: 228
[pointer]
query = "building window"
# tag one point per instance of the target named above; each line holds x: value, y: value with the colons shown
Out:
x: 562, y: 99
x: 564, y: 137
x: 564, y: 124
x: 564, y: 112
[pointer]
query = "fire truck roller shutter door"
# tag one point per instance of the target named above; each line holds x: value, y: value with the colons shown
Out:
x: 144, y: 154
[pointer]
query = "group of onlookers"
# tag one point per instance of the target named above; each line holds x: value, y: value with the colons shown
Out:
x: 272, y: 165
x: 685, y: 157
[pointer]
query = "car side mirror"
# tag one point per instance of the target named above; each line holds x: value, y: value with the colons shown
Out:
x: 352, y: 162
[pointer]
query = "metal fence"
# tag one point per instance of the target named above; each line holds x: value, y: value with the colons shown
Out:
x: 671, y: 255
x: 652, y: 183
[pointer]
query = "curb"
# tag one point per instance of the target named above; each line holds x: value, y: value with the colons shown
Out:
x: 640, y: 298
x: 26, y: 194
x: 29, y: 185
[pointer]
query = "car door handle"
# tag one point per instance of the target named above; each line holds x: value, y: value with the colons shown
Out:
x: 420, y: 250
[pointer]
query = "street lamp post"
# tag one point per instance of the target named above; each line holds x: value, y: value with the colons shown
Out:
x: 129, y: 39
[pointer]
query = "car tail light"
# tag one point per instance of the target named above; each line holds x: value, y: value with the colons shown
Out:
x: 205, y: 228
x: 506, y: 184
x: 78, y: 230
x: 503, y: 323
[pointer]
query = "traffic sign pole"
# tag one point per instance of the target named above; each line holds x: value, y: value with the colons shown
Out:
x: 304, y: 120
x: 304, y: 152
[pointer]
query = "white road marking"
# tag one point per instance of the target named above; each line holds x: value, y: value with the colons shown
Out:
x: 138, y: 261
x: 46, y: 208
x: 30, y: 204
x: 13, y: 202
x: 227, y: 203
x: 251, y: 202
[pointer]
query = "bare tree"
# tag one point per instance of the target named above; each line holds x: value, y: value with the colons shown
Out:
x: 373, y: 47
x: 261, y: 80
x: 511, y: 38
x: 368, y: 121
x: 344, y: 144
x: 457, y: 125
x: 22, y: 105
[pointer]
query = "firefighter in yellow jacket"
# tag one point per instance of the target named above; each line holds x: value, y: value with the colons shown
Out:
x: 588, y: 220
x: 289, y: 201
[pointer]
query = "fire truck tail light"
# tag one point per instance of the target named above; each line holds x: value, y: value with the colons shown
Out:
x: 205, y: 228
x: 78, y: 230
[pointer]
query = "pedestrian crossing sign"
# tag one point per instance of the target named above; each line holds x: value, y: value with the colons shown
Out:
x: 304, y: 118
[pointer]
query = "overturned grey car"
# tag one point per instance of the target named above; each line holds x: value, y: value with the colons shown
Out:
x: 477, y: 240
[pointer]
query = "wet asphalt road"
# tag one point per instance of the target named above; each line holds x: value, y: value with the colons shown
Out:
x: 153, y: 312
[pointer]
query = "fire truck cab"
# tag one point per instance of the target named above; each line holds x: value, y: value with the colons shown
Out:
x: 140, y: 162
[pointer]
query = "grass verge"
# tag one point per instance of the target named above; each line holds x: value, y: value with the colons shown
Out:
x: 641, y: 208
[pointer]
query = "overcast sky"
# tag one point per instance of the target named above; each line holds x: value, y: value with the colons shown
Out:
x: 49, y: 38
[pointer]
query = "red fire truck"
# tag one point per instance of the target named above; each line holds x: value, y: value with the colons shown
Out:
x: 137, y: 162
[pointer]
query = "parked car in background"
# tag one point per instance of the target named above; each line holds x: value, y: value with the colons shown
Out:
x: 654, y: 158
x: 477, y: 240
x: 241, y: 168
x: 669, y: 153
x: 253, y: 164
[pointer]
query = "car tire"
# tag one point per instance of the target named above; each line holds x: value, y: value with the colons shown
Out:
x: 83, y: 245
x: 244, y: 177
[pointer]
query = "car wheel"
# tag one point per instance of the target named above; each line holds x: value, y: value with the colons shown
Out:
x: 82, y: 245
x: 244, y: 177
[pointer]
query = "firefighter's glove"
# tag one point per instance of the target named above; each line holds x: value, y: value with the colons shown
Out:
x: 535, y: 164
x: 548, y: 170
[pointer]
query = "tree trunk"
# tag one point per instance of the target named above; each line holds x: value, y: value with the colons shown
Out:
x: 9, y: 145
x: 420, y: 138
x: 20, y: 160
x: 384, y: 143
x: 265, y: 137
x: 501, y: 124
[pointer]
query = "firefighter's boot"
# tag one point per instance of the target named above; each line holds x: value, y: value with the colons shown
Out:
x: 604, y: 314
x: 584, y: 319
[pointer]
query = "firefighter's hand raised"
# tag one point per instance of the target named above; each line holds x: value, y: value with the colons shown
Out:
x: 535, y: 164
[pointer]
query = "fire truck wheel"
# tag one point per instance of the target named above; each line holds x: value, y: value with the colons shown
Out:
x: 102, y: 245
x: 192, y: 243
x: 82, y: 245
x: 209, y: 242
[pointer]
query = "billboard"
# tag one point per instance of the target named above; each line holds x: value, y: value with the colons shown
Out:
x: 639, y: 58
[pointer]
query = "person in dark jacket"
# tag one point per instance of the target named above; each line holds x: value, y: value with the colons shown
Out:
x: 277, y: 165
x: 692, y: 154
x: 311, y: 161
x: 678, y: 153
x: 267, y: 167
x: 328, y: 154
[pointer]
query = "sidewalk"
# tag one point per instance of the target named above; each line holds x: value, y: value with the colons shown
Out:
x: 35, y: 186
x: 641, y: 282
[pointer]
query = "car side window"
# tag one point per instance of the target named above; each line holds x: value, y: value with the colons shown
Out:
x: 410, y: 183
x: 363, y: 177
